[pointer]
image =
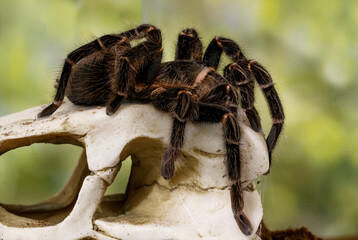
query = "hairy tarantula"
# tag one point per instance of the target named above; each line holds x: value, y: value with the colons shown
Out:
x: 109, y: 71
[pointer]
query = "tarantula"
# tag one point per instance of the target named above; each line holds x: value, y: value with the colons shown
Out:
x: 109, y: 71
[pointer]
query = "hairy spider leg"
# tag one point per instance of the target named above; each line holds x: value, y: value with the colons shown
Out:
x: 266, y: 84
x: 189, y: 46
x: 146, y: 55
x: 214, y: 50
x: 100, y: 44
x: 184, y: 109
x: 237, y: 205
x: 237, y: 76
x: 71, y: 60
x: 211, y: 113
x: 232, y: 133
x: 224, y: 95
x: 220, y: 105
x: 263, y: 78
x: 173, y: 150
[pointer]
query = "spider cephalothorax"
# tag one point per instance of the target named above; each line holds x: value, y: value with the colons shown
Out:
x: 108, y: 71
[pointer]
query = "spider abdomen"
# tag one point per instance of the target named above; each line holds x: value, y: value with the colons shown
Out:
x: 89, y: 80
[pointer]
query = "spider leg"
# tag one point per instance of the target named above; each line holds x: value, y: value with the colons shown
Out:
x: 183, y: 109
x: 216, y: 107
x: 220, y: 105
x: 216, y: 47
x: 71, y: 60
x: 224, y: 94
x: 236, y: 75
x: 232, y: 133
x: 189, y: 45
x: 266, y: 84
x: 100, y: 44
x: 173, y: 150
x: 237, y: 205
x: 243, y: 66
x: 145, y: 57
x: 221, y: 113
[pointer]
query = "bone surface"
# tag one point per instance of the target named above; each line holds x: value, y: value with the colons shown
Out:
x: 194, y: 204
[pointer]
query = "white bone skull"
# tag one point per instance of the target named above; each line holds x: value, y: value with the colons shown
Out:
x: 194, y: 204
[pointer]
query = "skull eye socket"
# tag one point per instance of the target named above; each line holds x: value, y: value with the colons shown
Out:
x: 33, y: 174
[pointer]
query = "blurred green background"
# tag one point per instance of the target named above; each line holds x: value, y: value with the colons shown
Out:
x: 309, y: 47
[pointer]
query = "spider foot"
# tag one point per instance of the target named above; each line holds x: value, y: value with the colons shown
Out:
x: 237, y: 204
x: 244, y: 224
x: 184, y: 107
x: 49, y: 109
x: 168, y: 167
x: 114, y: 104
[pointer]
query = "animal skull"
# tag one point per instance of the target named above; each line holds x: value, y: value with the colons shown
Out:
x: 194, y: 204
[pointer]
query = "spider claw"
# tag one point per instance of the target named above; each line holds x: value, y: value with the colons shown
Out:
x: 244, y: 224
x: 109, y: 113
x: 167, y: 169
x: 237, y: 204
x: 114, y: 104
x: 49, y: 109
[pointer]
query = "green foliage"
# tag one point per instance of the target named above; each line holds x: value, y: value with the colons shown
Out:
x: 309, y: 47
